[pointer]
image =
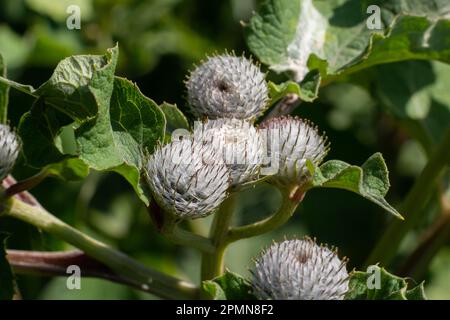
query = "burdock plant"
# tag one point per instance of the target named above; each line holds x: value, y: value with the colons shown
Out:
x: 239, y: 134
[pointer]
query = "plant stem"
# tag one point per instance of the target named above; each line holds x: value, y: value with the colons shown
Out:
x: 26, y: 184
x: 276, y: 220
x: 183, y: 237
x: 23, y: 196
x: 56, y: 263
x: 158, y: 283
x: 168, y: 225
x: 212, y: 263
x: 414, y: 204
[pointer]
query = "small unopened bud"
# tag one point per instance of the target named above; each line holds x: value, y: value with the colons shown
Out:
x: 300, y: 270
x: 227, y: 86
x: 9, y: 150
x: 185, y: 180
x: 291, y: 142
x: 238, y: 144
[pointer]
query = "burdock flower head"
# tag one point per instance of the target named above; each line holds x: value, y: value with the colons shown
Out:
x: 291, y: 142
x: 9, y: 150
x: 186, y: 180
x: 300, y: 270
x: 237, y: 143
x: 227, y: 86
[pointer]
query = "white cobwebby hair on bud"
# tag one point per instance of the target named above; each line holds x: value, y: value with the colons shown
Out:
x: 9, y: 150
x: 300, y: 270
x: 238, y: 144
x: 185, y: 180
x: 292, y: 141
x: 226, y: 86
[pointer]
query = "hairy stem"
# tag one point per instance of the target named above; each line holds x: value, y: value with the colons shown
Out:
x: 213, y: 263
x: 284, y: 213
x: 414, y: 204
x: 158, y: 283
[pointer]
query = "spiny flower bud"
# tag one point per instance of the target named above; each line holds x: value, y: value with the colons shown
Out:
x: 227, y: 86
x: 185, y: 180
x: 291, y: 142
x: 300, y: 270
x: 238, y: 144
x: 9, y: 150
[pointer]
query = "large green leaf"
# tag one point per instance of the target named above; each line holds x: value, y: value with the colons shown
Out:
x: 229, y: 286
x: 4, y: 92
x: 378, y: 284
x: 77, y: 82
x: 273, y: 35
x: 72, y: 87
x: 297, y: 36
x: 128, y: 124
x: 6, y: 274
x: 371, y: 180
x: 115, y: 124
x: 408, y: 38
x: 75, y: 91
x: 39, y: 129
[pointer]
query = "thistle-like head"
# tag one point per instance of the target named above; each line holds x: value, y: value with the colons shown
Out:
x: 238, y: 144
x: 9, y: 150
x: 185, y: 179
x: 227, y: 86
x: 292, y: 141
x: 300, y: 270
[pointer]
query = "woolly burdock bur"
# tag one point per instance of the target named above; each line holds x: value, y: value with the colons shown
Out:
x: 237, y: 143
x: 300, y: 270
x: 227, y: 86
x: 185, y: 179
x: 292, y: 141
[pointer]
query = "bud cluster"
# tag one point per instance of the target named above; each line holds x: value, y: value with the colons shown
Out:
x: 229, y: 93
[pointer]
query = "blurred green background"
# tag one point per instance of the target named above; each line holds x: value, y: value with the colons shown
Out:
x: 159, y: 42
